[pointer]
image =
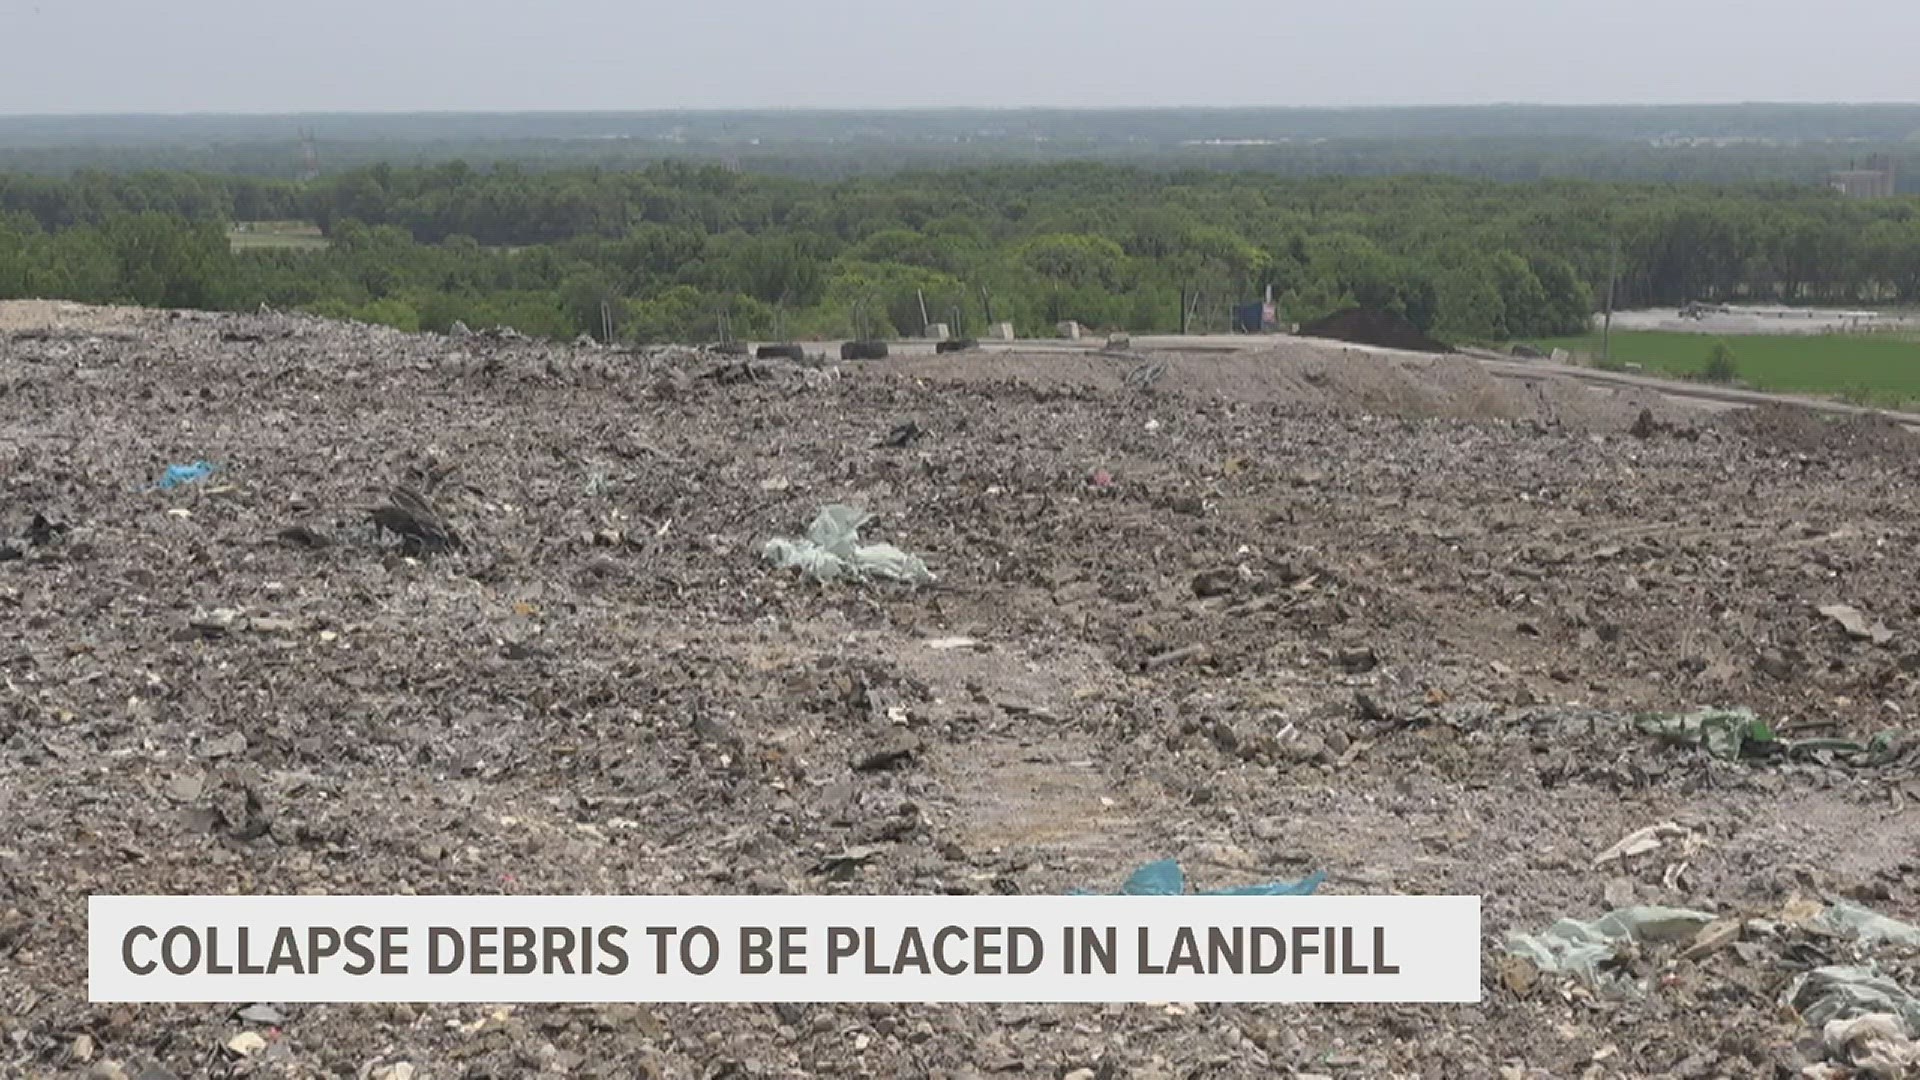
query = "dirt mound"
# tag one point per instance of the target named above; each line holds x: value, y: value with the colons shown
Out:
x: 61, y: 316
x: 1808, y: 432
x: 1321, y: 377
x: 1367, y: 326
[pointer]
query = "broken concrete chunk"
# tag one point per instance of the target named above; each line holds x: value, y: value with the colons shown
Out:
x: 188, y: 786
x: 261, y: 1014
x: 893, y: 754
x: 1856, y: 624
x: 1358, y: 659
x: 216, y: 623
x: 1712, y: 938
x: 231, y: 744
x: 1211, y: 583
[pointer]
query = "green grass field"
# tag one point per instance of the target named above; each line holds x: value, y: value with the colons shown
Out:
x: 1874, y: 369
x: 259, y: 235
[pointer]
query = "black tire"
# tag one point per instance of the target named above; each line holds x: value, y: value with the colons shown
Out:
x: 864, y: 350
x: 780, y: 352
x: 731, y: 348
x: 955, y: 345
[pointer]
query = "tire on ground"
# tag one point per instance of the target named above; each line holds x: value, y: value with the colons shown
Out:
x: 864, y: 350
x: 955, y: 345
x: 780, y: 352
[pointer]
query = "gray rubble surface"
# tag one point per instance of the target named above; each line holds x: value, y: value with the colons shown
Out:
x: 1389, y: 621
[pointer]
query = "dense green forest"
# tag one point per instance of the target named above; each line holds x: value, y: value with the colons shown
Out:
x: 1680, y: 143
x: 684, y: 252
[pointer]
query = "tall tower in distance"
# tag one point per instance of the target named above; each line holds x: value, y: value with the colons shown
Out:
x: 309, y: 157
x: 1883, y: 164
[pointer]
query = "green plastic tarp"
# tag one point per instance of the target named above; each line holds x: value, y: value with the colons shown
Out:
x: 1725, y: 733
x: 1736, y: 733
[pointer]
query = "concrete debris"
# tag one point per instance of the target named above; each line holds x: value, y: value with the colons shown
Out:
x: 1856, y: 624
x: 1646, y: 840
x: 606, y: 689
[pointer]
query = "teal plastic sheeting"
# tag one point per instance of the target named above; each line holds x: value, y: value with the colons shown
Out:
x: 1841, y: 993
x: 1579, y: 948
x: 1870, y: 927
x: 177, y: 475
x: 832, y: 551
x: 1164, y: 878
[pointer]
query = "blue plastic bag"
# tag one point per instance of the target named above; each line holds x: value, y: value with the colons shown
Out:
x: 176, y: 475
x: 1165, y: 878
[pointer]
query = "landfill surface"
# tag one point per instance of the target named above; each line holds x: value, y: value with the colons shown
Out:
x: 1388, y: 618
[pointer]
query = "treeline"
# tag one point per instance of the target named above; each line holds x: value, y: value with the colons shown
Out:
x: 681, y: 252
x: 92, y: 197
x: 1511, y: 158
x: 155, y: 259
x: 1692, y: 144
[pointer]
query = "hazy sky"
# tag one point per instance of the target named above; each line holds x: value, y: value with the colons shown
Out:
x: 71, y: 56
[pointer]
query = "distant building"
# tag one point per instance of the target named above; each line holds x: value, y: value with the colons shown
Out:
x: 1873, y: 182
x: 1255, y: 318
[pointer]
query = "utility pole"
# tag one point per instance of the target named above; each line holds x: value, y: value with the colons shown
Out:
x: 1606, y: 332
x: 861, y: 326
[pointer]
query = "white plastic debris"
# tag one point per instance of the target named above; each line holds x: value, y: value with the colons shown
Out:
x: 833, y: 551
x: 1877, y: 1045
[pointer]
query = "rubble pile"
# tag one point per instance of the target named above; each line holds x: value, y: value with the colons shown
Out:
x: 485, y: 614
